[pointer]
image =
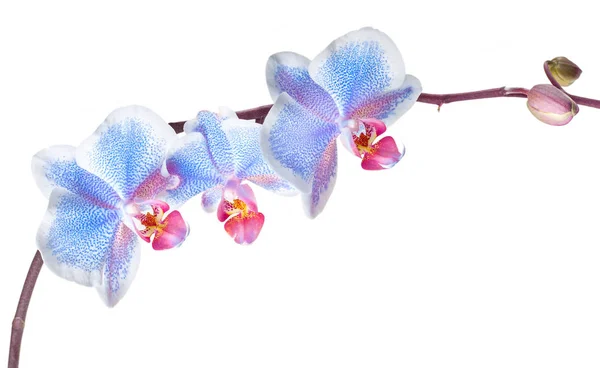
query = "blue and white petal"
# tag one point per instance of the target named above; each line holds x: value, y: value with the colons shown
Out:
x: 189, y: 161
x: 323, y: 182
x: 211, y: 198
x: 288, y: 72
x: 358, y: 67
x: 389, y: 106
x: 226, y: 113
x: 293, y: 141
x: 219, y: 149
x: 126, y: 149
x: 244, y: 137
x: 76, y: 237
x: 121, y: 265
x: 55, y: 167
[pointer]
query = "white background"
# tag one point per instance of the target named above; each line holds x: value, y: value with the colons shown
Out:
x: 480, y: 249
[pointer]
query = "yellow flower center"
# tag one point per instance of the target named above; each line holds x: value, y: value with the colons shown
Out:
x: 240, y: 206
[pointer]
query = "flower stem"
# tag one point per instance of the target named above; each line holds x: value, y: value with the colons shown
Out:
x: 259, y: 113
x: 18, y: 325
x: 441, y: 99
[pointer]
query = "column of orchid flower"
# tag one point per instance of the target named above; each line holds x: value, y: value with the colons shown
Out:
x: 126, y: 181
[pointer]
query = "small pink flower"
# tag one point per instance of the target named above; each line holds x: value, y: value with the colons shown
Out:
x: 163, y: 232
x: 238, y: 210
x: 376, y: 155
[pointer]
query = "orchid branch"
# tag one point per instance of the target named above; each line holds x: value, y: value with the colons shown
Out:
x: 259, y: 114
x: 18, y: 324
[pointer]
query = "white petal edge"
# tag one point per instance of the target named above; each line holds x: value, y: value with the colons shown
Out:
x: 111, y: 299
x: 402, y: 108
x: 364, y: 34
x: 41, y: 159
x: 286, y: 58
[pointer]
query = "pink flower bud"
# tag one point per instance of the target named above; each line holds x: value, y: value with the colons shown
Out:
x: 551, y: 105
x: 564, y: 71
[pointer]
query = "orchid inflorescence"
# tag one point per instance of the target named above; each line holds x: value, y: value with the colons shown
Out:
x: 127, y: 181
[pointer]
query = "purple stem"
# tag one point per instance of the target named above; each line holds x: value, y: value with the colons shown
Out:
x: 18, y: 325
x: 259, y: 113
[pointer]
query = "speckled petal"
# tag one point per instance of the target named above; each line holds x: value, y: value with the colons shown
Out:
x: 323, y: 183
x: 154, y: 185
x: 357, y: 68
x: 219, y: 149
x: 76, y: 237
x: 211, y: 198
x: 293, y: 141
x: 189, y: 162
x: 244, y: 137
x: 389, y: 106
x: 288, y: 72
x: 126, y: 149
x: 120, y: 267
x: 55, y: 167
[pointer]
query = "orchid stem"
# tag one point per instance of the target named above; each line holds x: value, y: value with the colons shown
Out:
x: 18, y: 325
x: 259, y: 113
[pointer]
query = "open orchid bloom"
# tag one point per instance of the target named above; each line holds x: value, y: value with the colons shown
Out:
x: 103, y: 197
x: 354, y: 89
x: 218, y: 154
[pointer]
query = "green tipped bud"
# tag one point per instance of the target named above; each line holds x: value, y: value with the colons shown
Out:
x: 564, y: 70
x: 550, y: 105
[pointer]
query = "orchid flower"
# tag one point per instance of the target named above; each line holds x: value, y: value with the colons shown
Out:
x: 217, y: 156
x: 354, y: 89
x: 102, y: 197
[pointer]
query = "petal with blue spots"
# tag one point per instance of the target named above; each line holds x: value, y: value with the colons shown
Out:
x: 219, y: 149
x: 126, y: 149
x: 211, y: 198
x: 293, y: 141
x: 76, y: 237
x: 244, y: 137
x: 389, y: 106
x: 357, y: 68
x: 288, y: 72
x: 189, y: 162
x: 55, y: 167
x: 120, y: 267
x: 323, y: 182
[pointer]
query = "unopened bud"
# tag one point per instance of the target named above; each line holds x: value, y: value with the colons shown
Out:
x: 564, y: 70
x: 550, y: 105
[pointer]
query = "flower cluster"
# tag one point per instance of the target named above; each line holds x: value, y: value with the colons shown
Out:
x: 126, y: 181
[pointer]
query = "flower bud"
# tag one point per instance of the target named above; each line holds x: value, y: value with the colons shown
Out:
x: 564, y: 70
x: 550, y: 105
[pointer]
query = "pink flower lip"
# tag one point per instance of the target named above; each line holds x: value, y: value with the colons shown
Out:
x: 239, y: 211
